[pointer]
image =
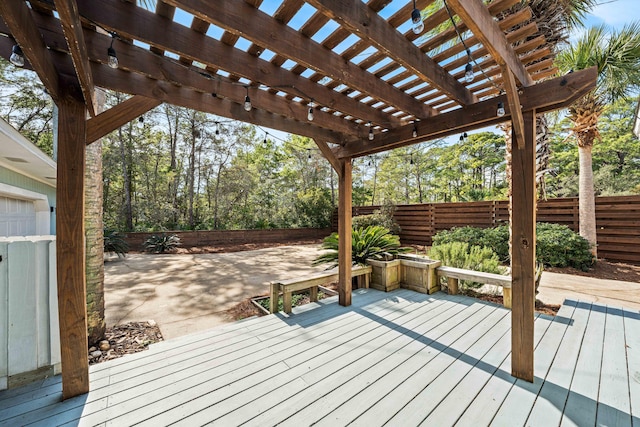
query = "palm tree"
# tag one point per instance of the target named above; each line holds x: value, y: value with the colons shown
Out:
x: 617, y: 56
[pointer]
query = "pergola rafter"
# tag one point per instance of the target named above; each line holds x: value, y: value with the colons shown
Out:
x: 358, y: 63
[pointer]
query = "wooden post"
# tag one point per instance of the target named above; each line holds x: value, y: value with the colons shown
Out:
x: 344, y: 233
x: 70, y: 248
x: 452, y: 285
x: 523, y: 226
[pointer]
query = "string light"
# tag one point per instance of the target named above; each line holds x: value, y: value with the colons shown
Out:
x: 415, y: 130
x: 247, y: 100
x: 141, y: 120
x: 217, y: 128
x: 468, y: 69
x: 309, y: 153
x: 500, y: 111
x: 310, y: 114
x: 411, y: 161
x: 371, y: 136
x: 416, y: 20
x: 17, y: 57
x: 111, y: 53
x: 264, y: 141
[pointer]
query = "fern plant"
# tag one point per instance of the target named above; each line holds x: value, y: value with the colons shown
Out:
x: 373, y: 242
x: 162, y: 243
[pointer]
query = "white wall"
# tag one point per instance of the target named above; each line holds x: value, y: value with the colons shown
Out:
x: 29, y: 332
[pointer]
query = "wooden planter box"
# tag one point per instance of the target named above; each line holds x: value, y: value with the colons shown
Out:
x: 385, y: 275
x: 418, y: 273
x: 413, y: 272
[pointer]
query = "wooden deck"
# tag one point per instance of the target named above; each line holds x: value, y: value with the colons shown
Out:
x: 398, y: 358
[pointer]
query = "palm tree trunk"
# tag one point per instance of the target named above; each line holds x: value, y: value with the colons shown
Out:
x: 94, y: 269
x: 587, y: 201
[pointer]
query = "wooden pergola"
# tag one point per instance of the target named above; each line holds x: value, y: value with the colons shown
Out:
x: 358, y: 65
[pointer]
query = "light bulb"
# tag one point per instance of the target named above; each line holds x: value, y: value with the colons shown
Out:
x: 416, y: 20
x: 411, y: 161
x: 113, y: 59
x: 17, y: 57
x: 247, y: 103
x: 415, y: 132
x: 465, y: 137
x: 310, y: 114
x: 468, y: 73
x: 370, y: 134
x: 500, y: 111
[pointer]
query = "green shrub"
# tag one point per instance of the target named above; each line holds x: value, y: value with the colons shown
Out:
x: 371, y: 242
x: 162, y: 243
x: 462, y: 255
x: 495, y: 238
x: 556, y: 245
x: 382, y: 217
x: 114, y: 243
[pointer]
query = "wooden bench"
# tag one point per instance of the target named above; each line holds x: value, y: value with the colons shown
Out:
x: 287, y: 287
x: 454, y: 275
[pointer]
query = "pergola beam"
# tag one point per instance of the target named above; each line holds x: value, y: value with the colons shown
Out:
x: 119, y: 115
x: 515, y: 107
x: 368, y: 25
x: 17, y: 16
x: 134, y: 22
x: 166, y: 92
x: 478, y: 19
x: 141, y: 61
x: 545, y: 96
x: 284, y: 40
x: 72, y: 27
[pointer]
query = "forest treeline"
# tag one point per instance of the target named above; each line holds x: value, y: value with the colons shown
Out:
x: 180, y: 169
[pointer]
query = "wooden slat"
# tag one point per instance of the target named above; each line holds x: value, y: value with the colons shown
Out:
x: 70, y: 249
x: 288, y: 42
x: 142, y: 25
x: 367, y: 24
x: 476, y: 16
x: 523, y: 226
x: 72, y: 27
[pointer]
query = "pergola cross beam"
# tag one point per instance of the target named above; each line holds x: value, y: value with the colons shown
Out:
x: 72, y: 28
x: 17, y: 16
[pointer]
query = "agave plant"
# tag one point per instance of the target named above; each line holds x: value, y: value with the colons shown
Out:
x: 114, y: 243
x: 161, y: 243
x: 373, y: 242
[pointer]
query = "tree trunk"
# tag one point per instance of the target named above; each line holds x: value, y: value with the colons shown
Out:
x: 126, y: 178
x: 587, y: 201
x: 94, y: 255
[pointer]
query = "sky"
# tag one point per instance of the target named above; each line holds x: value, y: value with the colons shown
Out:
x: 613, y: 13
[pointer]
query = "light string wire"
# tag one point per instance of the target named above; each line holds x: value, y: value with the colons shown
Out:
x: 466, y: 48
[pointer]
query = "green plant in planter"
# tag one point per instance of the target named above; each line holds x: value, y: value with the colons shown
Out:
x: 374, y: 242
x: 161, y: 243
x: 114, y: 243
x: 463, y: 255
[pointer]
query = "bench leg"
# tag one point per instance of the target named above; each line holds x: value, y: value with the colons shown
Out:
x: 506, y: 297
x: 452, y: 285
x: 286, y: 302
x: 367, y: 278
x: 273, y: 297
x: 313, y: 294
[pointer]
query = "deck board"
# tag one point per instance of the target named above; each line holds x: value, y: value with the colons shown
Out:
x: 401, y: 358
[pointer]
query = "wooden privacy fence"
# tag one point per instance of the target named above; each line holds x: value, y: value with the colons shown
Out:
x: 617, y: 221
x: 218, y: 237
